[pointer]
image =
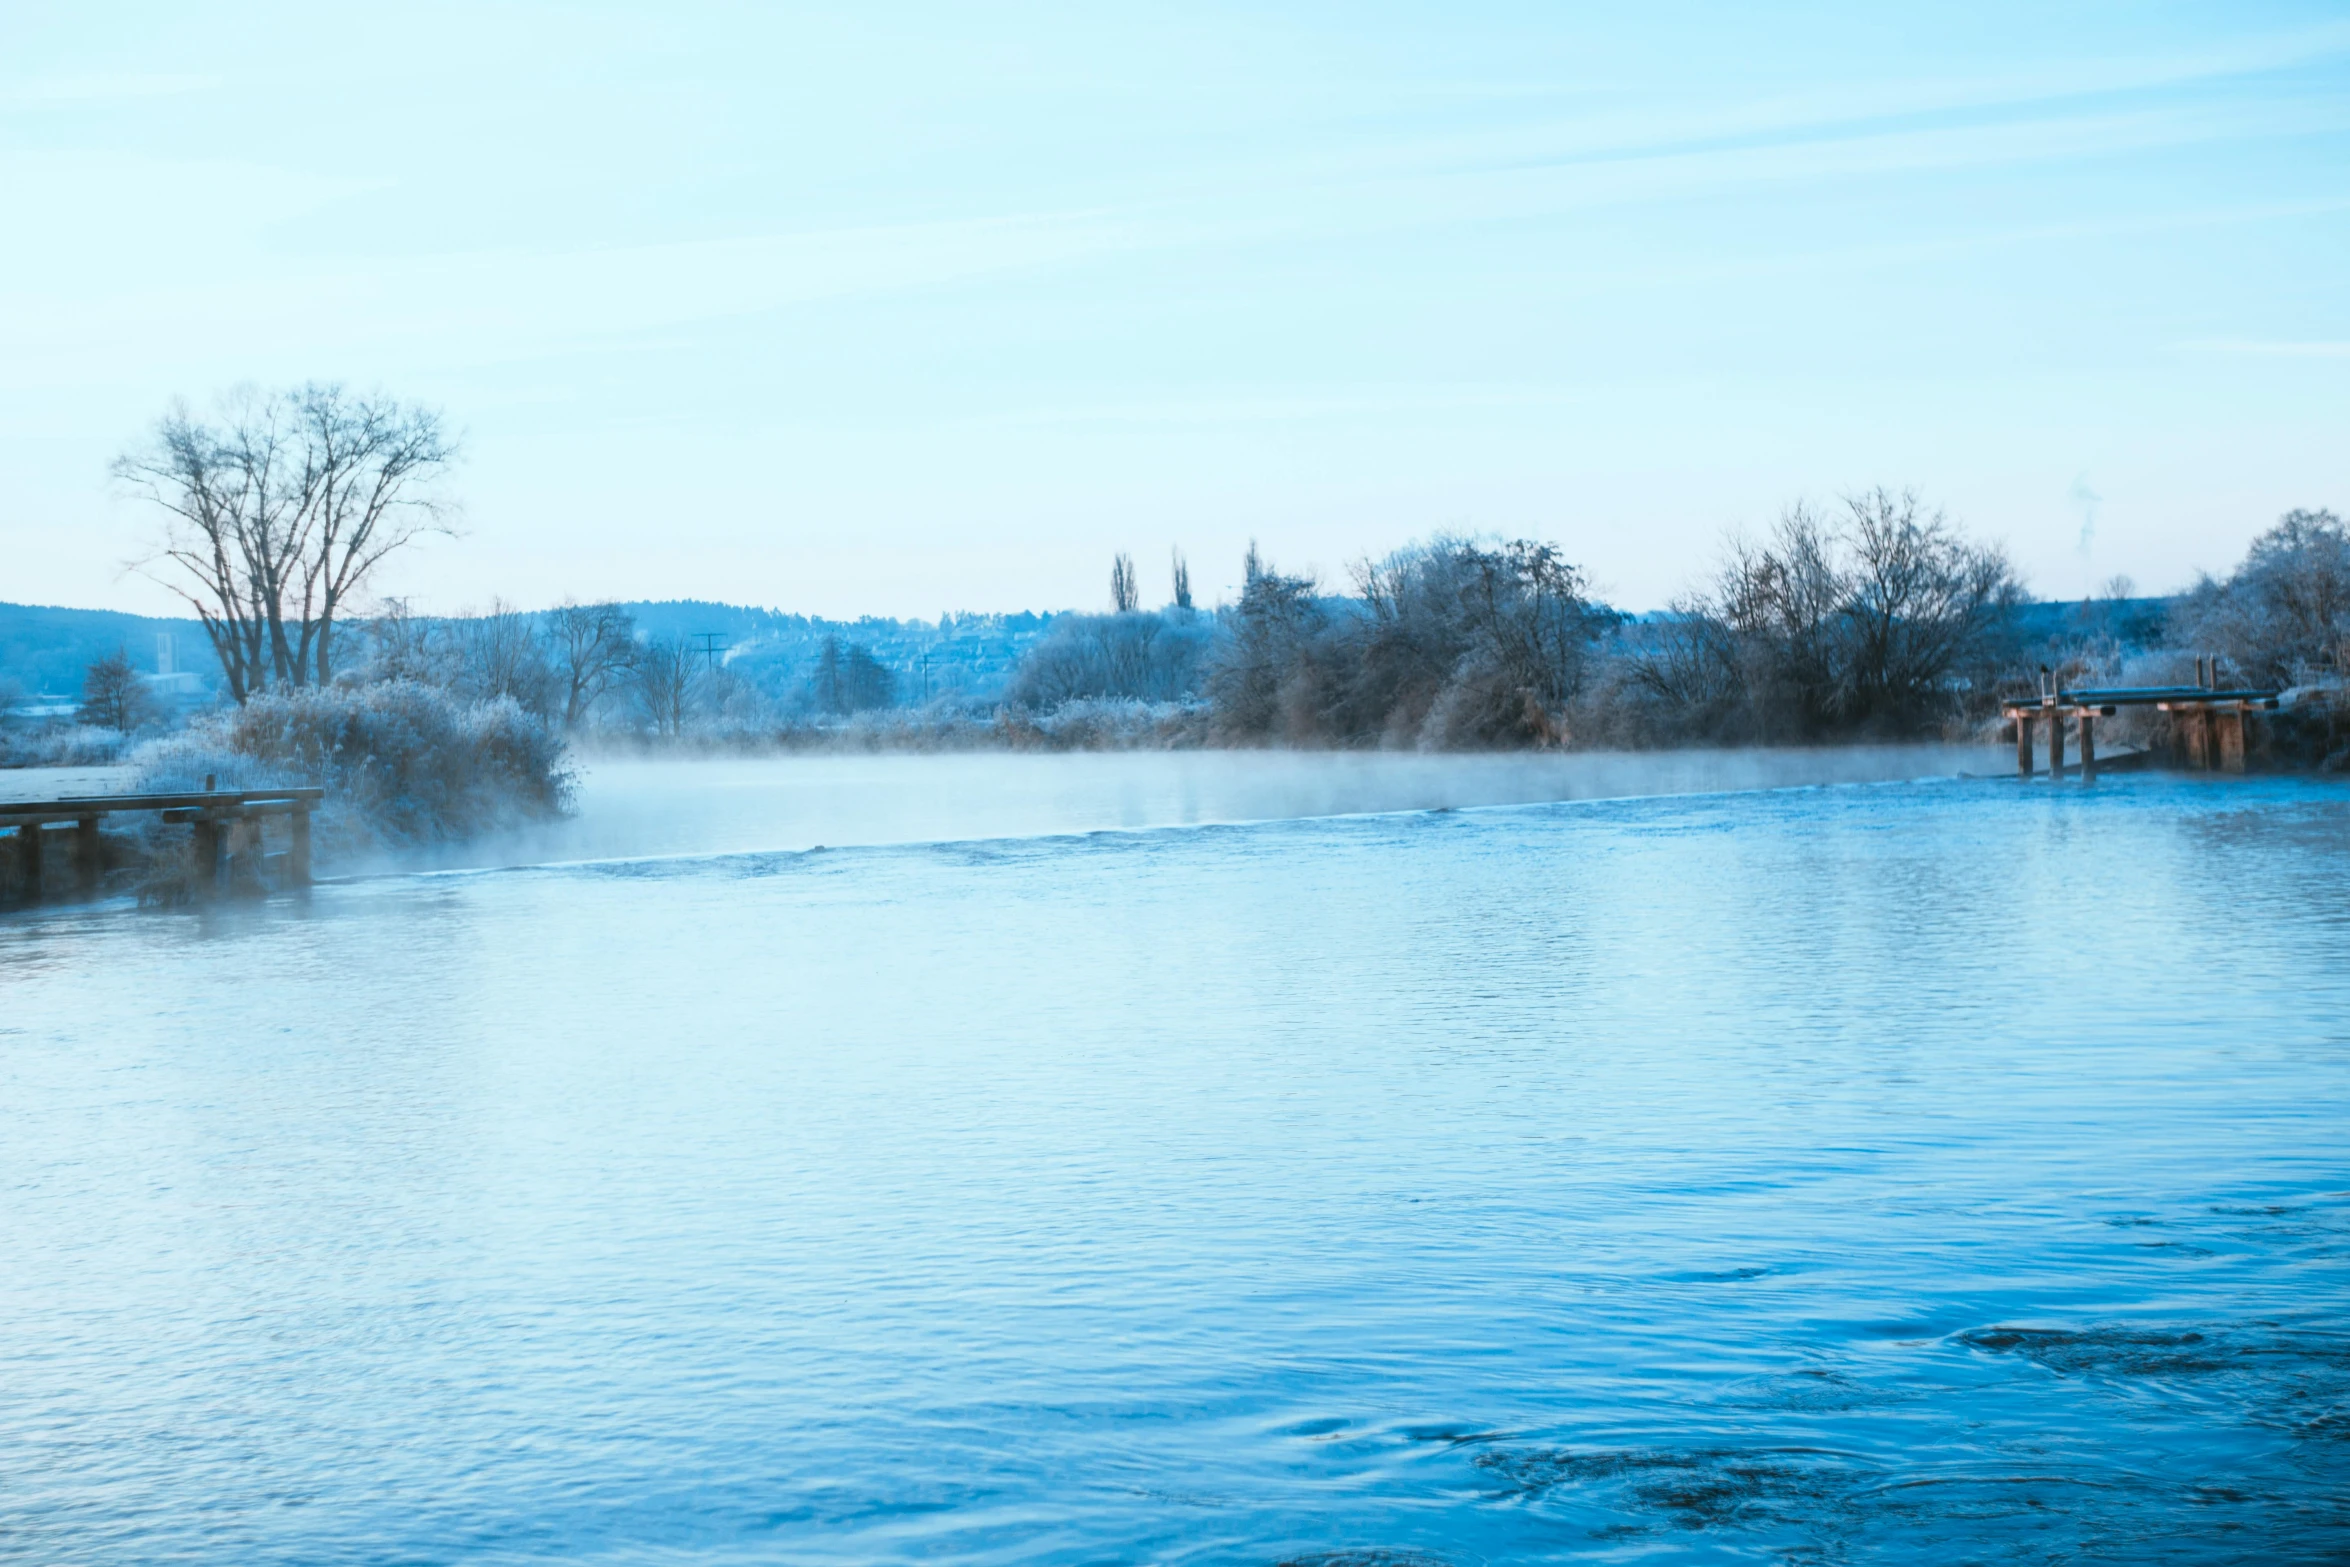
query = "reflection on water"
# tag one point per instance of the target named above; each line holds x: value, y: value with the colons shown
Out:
x: 1923, y: 1171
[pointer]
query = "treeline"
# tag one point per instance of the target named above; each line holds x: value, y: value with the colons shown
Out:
x: 1877, y: 619
x: 586, y: 670
x: 1880, y: 620
x: 2282, y: 618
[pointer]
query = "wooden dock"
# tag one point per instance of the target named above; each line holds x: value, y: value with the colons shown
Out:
x: 2209, y: 721
x: 226, y: 827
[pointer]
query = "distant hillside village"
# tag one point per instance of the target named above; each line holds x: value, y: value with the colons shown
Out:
x: 46, y: 652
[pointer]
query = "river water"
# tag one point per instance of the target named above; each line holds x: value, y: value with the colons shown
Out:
x: 1936, y: 1170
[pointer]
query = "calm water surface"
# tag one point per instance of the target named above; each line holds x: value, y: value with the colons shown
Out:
x: 1939, y: 1171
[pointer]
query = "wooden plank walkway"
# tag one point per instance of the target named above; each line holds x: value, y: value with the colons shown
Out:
x: 226, y: 825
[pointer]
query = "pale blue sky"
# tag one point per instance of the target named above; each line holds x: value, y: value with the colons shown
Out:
x: 893, y: 309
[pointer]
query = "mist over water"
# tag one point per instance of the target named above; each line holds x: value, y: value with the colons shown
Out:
x: 1936, y: 1170
x: 634, y: 807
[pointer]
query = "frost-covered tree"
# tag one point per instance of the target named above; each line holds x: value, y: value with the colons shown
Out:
x: 593, y: 647
x: 2283, y: 615
x: 1863, y: 619
x: 115, y: 695
x: 279, y: 508
x: 848, y: 679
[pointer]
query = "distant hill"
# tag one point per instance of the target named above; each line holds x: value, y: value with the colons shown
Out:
x: 44, y: 649
x: 2134, y: 622
x: 969, y: 655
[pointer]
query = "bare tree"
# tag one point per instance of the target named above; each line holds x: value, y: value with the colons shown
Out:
x: 1182, y: 581
x: 369, y: 465
x: 866, y: 682
x: 664, y: 680
x: 403, y: 645
x: 499, y: 654
x: 1266, y: 667
x: 826, y: 691
x: 594, y: 647
x: 277, y: 511
x: 1921, y: 598
x: 114, y: 696
x: 2283, y: 615
x: 226, y: 540
x: 1865, y: 621
x: 849, y: 679
x: 1465, y: 642
x: 1125, y: 594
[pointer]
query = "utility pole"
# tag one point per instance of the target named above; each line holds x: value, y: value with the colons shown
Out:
x: 712, y: 643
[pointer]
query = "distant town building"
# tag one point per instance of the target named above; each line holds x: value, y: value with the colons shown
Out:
x: 171, y: 683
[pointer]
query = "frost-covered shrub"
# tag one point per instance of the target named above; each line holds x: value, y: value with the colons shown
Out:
x: 59, y: 745
x: 1132, y: 656
x: 402, y: 762
x: 1105, y: 724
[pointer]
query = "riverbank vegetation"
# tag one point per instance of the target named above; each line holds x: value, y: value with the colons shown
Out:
x: 2281, y: 619
x: 403, y: 762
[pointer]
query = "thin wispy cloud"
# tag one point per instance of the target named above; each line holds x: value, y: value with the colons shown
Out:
x: 90, y: 91
x: 1606, y: 131
x: 2272, y: 348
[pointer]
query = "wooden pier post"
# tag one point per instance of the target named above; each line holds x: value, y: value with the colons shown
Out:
x: 88, y: 855
x: 2228, y: 722
x: 28, y: 862
x: 2023, y: 744
x: 244, y: 848
x: 211, y: 864
x: 2194, y: 737
x: 2088, y: 748
x: 2055, y: 746
x: 298, y: 845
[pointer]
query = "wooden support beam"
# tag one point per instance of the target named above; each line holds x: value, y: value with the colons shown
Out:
x: 17, y: 818
x: 2228, y: 731
x: 2194, y: 735
x: 158, y: 802
x: 89, y: 855
x: 2055, y: 745
x: 28, y: 862
x: 211, y: 864
x: 298, y: 847
x: 244, y: 849
x: 2023, y: 744
x: 2088, y: 748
